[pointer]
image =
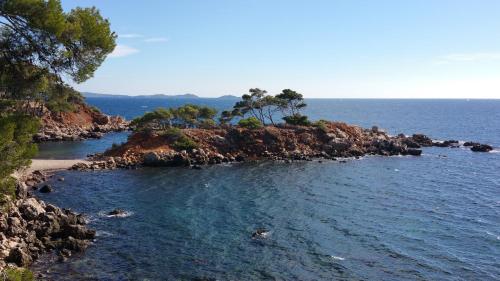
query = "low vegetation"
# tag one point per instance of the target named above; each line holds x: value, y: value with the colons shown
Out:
x: 187, y: 116
x: 16, y: 274
x: 250, y: 123
x: 16, y: 148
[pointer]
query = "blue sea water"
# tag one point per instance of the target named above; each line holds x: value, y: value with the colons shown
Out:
x: 434, y: 217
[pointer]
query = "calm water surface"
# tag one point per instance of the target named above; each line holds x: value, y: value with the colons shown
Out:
x: 435, y: 217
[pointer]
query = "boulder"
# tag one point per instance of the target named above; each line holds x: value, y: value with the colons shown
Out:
x: 31, y: 208
x: 481, y: 148
x: 78, y: 232
x: 73, y: 244
x: 117, y: 212
x: 20, y: 257
x: 413, y: 152
x: 422, y: 139
x: 471, y: 143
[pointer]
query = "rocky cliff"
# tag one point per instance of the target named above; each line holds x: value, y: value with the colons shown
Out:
x: 82, y: 123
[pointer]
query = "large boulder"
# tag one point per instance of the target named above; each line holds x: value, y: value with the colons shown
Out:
x: 31, y: 208
x: 422, y: 139
x: 481, y: 148
x: 20, y: 257
x: 78, y: 232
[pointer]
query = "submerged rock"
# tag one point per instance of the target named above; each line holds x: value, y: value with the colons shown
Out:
x: 117, y: 212
x: 46, y: 189
x: 260, y: 233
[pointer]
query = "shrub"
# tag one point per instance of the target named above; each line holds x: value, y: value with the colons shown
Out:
x: 172, y: 133
x: 17, y: 274
x: 179, y: 141
x: 16, y: 149
x: 297, y: 119
x: 94, y: 109
x: 250, y: 123
x: 321, y: 124
x: 7, y: 190
x: 207, y: 124
x: 184, y: 143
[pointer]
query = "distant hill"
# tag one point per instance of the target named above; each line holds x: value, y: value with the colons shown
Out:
x: 158, y: 96
x: 96, y: 95
x: 228, y: 97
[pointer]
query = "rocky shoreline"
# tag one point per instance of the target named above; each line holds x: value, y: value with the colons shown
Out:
x: 84, y: 123
x: 283, y: 143
x: 29, y: 227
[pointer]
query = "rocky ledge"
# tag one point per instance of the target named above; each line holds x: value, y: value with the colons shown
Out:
x: 236, y: 144
x: 82, y: 123
x: 29, y: 228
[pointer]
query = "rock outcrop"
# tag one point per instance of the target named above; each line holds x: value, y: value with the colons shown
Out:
x: 29, y: 227
x: 481, y: 148
x: 82, y: 123
x: 235, y: 144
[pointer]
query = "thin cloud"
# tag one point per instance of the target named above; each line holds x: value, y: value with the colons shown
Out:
x: 156, y: 39
x: 130, y: 35
x: 123, y: 51
x: 471, y: 57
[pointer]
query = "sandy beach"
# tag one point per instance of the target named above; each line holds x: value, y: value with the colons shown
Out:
x: 53, y: 165
x: 47, y: 165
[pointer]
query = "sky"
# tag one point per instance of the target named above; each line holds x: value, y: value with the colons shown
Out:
x: 322, y: 49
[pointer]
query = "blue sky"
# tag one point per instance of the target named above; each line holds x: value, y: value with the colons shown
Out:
x: 358, y: 49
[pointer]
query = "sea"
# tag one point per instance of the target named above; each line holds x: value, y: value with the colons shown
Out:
x: 434, y: 217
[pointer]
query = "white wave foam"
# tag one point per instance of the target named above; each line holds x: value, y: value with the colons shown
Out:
x: 494, y: 235
x: 102, y: 233
x: 337, y: 258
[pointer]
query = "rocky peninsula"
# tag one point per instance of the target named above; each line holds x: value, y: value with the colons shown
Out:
x: 283, y: 142
x: 84, y: 122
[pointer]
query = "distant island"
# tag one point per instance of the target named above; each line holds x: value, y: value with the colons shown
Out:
x: 156, y: 96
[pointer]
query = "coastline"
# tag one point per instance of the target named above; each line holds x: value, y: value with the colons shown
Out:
x: 30, y: 227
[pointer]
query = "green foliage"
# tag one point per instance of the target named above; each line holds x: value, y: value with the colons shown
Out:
x: 62, y: 98
x: 16, y: 147
x: 40, y: 44
x: 159, y: 119
x: 264, y: 107
x: 7, y: 189
x: 207, y: 124
x: 186, y: 116
x: 226, y: 116
x: 292, y: 102
x: 40, y: 32
x: 321, y: 124
x: 297, y: 119
x: 178, y: 140
x: 184, y: 143
x: 172, y: 134
x: 95, y: 109
x: 258, y: 104
x: 17, y: 274
x: 250, y: 123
